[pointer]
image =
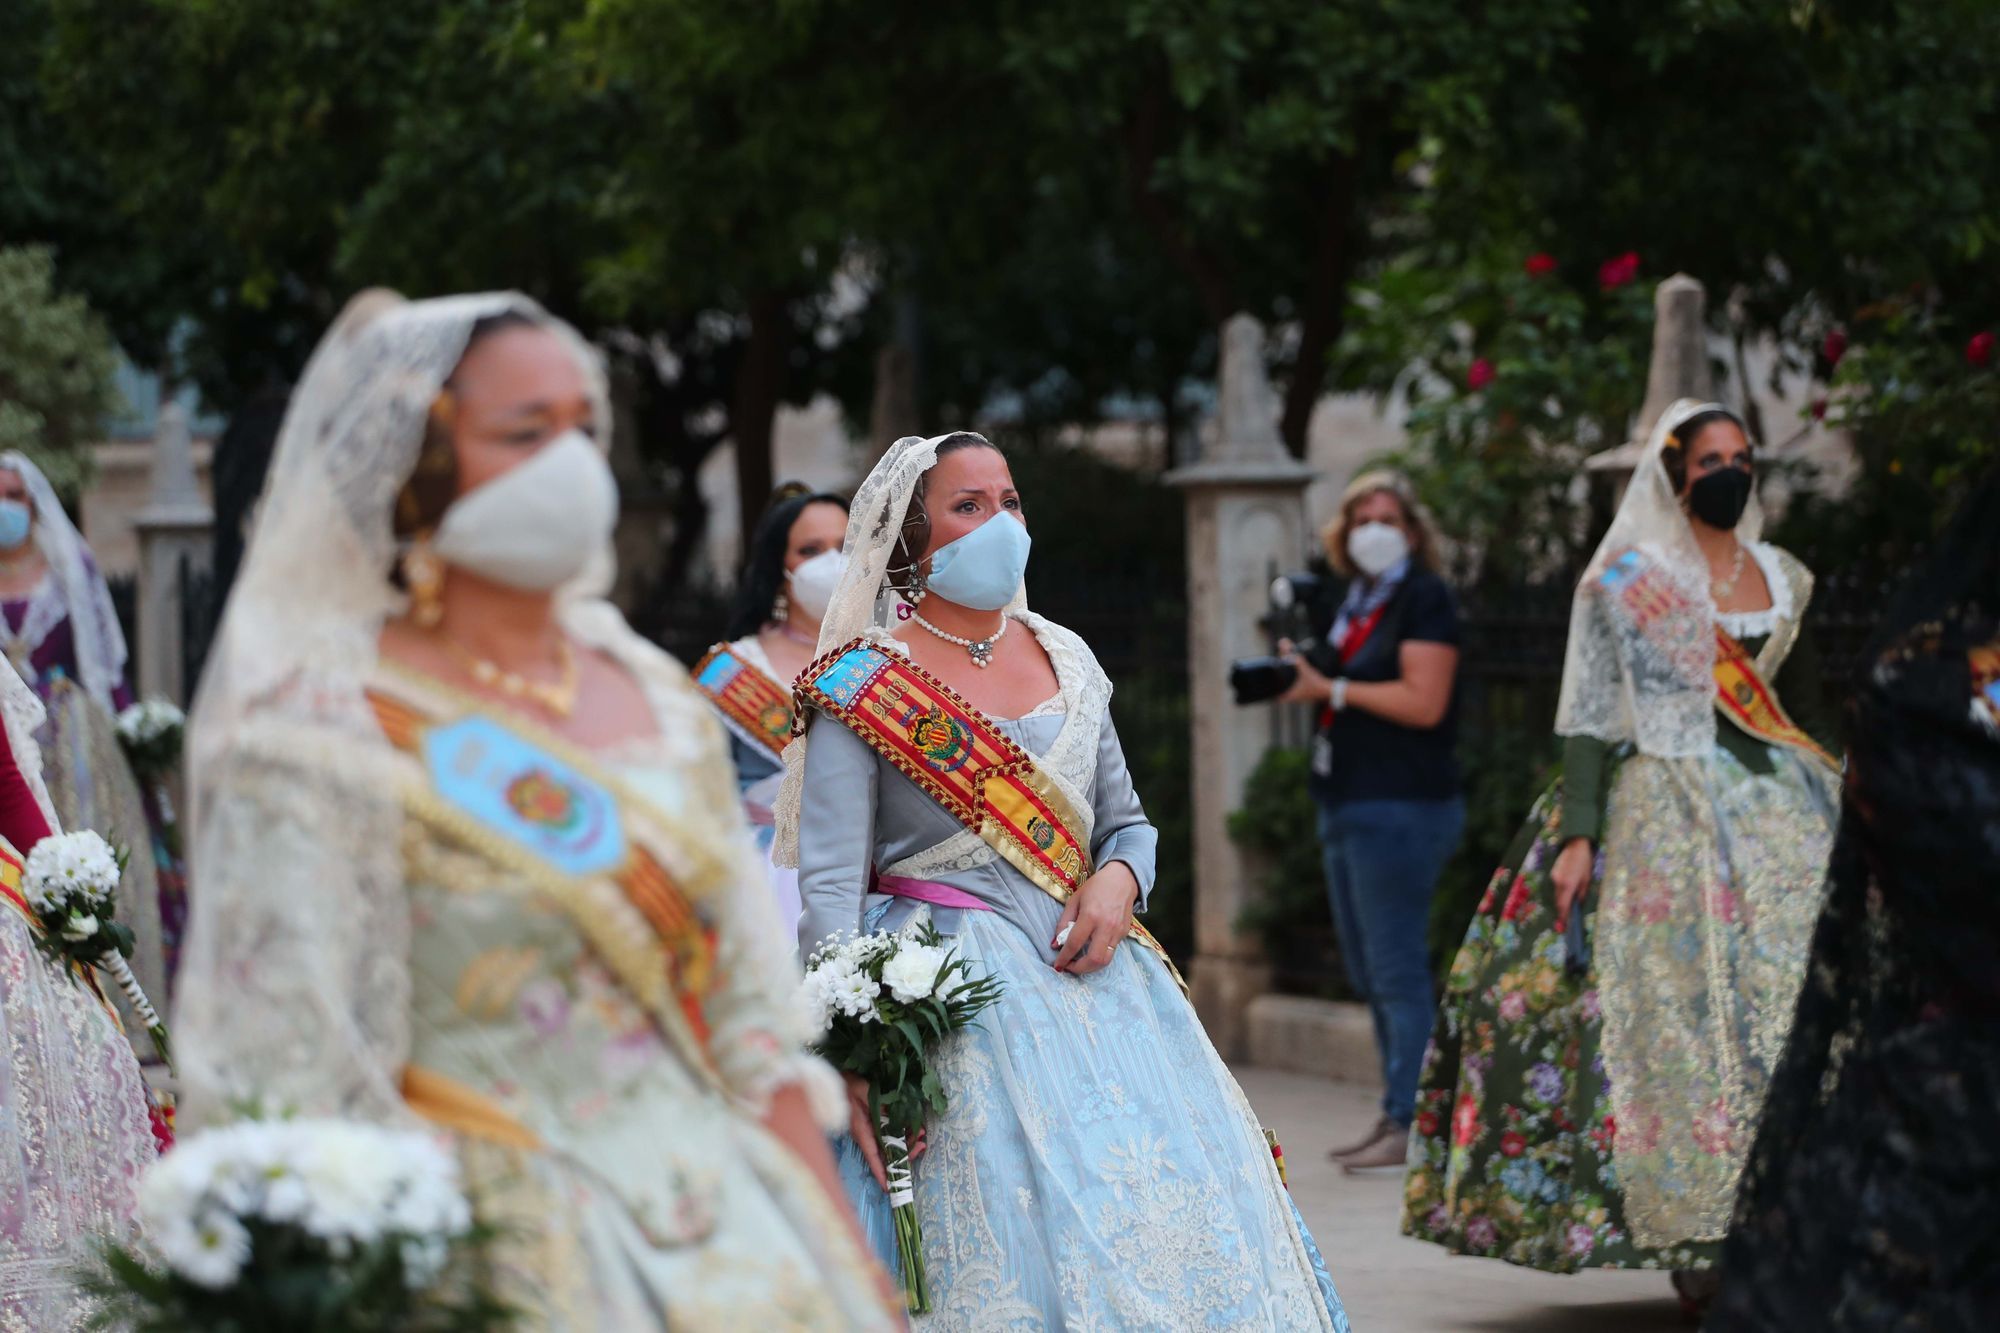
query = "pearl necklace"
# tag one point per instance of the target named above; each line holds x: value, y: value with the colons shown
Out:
x: 981, y: 649
x: 1722, y: 588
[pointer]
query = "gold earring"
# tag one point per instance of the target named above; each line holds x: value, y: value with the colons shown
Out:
x: 423, y: 575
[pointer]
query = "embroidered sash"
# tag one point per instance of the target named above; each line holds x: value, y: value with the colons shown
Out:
x: 959, y: 758
x: 540, y: 809
x: 755, y: 707
x: 1742, y: 696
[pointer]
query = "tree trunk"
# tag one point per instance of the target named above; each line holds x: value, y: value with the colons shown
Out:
x: 760, y: 386
x: 1144, y: 129
x: 1323, y: 311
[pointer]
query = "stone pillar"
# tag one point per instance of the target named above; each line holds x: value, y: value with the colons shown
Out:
x: 1246, y: 518
x: 1679, y: 369
x: 176, y: 530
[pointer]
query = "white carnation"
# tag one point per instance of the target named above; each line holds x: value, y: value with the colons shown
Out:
x: 148, y: 720
x: 70, y: 867
x: 912, y: 974
x: 345, y: 1183
x: 847, y: 989
x: 79, y: 928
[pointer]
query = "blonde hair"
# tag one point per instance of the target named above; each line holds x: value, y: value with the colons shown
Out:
x: 1380, y: 481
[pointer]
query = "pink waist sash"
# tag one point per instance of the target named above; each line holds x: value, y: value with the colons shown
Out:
x: 926, y: 891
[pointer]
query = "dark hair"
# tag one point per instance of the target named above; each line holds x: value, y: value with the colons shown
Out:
x: 433, y: 482
x: 764, y: 569
x: 1674, y: 455
x: 916, y: 533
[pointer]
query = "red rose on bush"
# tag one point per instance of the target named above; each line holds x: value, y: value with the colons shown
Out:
x: 1427, y: 1124
x: 1479, y: 375
x: 1540, y: 264
x: 1512, y: 1144
x: 1835, y: 346
x: 1615, y: 273
x: 1979, y: 351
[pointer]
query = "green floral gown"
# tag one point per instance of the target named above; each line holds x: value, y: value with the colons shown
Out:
x: 1517, y: 1151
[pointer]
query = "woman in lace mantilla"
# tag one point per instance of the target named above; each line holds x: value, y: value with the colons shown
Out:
x: 62, y: 634
x: 772, y: 633
x: 74, y: 1129
x: 475, y: 857
x: 1097, y: 1166
x: 1610, y: 1026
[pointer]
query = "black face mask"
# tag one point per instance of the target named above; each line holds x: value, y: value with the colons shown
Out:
x: 1720, y: 498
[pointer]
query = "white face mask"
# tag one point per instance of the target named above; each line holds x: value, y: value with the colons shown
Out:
x: 1375, y: 547
x: 537, y: 527
x: 814, y: 580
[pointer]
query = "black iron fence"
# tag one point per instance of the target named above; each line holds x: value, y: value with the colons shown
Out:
x: 198, y: 605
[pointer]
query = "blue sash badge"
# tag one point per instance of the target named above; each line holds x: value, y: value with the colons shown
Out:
x: 721, y: 669
x: 526, y: 795
x: 849, y: 674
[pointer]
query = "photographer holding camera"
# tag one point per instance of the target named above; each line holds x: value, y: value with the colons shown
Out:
x: 1384, y: 773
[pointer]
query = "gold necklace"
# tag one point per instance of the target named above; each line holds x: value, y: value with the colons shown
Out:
x: 559, y: 698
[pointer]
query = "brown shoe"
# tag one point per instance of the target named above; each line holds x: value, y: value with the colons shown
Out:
x: 1385, y: 1156
x: 1365, y: 1142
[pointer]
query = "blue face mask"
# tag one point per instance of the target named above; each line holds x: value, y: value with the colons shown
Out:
x: 983, y: 568
x: 15, y: 521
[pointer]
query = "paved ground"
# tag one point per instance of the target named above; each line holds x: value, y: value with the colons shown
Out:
x: 1391, y: 1284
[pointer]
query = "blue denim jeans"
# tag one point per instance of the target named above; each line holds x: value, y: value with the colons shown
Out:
x: 1382, y: 864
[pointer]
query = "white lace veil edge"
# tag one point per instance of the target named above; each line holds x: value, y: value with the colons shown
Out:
x: 98, y: 638
x: 298, y: 638
x: 1661, y: 705
x: 862, y: 602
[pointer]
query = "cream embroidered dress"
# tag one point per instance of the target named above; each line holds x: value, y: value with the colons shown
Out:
x: 74, y: 1136
x: 1599, y: 1116
x: 426, y: 911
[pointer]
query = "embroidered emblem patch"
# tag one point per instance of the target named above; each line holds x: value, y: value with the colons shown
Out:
x: 942, y: 739
x: 526, y: 795
x: 1043, y: 832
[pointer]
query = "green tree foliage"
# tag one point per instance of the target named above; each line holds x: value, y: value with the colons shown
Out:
x: 56, y: 363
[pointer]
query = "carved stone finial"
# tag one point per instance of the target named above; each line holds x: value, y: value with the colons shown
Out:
x: 1247, y: 416
x: 1679, y: 368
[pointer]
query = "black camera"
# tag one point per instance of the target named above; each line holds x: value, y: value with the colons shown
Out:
x: 1256, y: 680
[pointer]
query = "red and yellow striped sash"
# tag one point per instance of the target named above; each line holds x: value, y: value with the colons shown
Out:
x: 961, y: 760
x: 1742, y: 696
x: 755, y: 706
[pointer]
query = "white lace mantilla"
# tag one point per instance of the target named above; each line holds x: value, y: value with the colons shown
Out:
x: 1082, y: 698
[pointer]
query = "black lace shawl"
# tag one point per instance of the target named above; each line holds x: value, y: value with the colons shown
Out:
x: 1872, y: 1197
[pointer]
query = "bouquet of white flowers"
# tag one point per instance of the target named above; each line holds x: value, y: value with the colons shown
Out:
x: 151, y: 733
x: 884, y: 1001
x: 70, y: 882
x: 333, y: 1226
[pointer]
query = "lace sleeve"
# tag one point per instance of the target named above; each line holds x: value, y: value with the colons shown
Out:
x: 295, y: 991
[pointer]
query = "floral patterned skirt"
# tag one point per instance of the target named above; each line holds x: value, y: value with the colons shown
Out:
x: 1597, y: 1116
x: 1510, y: 1156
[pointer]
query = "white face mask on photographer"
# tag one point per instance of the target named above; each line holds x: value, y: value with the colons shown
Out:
x: 1376, y: 547
x: 538, y: 526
